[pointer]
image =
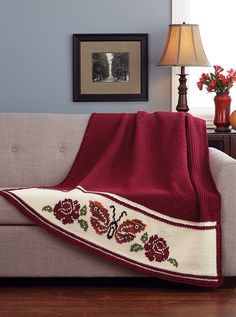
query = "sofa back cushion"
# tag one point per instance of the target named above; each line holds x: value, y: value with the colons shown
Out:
x: 38, y: 149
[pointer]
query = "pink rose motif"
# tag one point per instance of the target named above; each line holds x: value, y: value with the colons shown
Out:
x: 67, y: 210
x: 156, y: 249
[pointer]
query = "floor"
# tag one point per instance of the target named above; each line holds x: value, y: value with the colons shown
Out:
x: 103, y: 298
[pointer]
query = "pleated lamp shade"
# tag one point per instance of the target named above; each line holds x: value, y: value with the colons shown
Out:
x: 183, y: 47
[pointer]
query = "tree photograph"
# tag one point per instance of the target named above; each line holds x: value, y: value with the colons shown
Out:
x: 110, y: 67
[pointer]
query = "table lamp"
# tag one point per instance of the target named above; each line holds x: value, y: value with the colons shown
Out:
x: 183, y: 48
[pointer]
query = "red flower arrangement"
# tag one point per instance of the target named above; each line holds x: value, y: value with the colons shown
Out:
x: 217, y: 82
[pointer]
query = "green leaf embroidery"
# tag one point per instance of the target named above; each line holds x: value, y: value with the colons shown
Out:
x: 144, y: 237
x: 47, y: 208
x: 83, y: 211
x: 136, y: 247
x: 83, y: 224
x: 173, y: 262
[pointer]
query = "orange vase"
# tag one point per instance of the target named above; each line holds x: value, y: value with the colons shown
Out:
x: 222, y: 112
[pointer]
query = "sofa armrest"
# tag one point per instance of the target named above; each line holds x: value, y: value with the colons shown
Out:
x: 223, y: 169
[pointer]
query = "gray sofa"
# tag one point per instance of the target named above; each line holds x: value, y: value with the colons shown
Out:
x: 39, y: 149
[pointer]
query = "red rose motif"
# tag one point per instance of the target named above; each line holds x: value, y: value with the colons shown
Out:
x: 67, y: 210
x: 156, y: 249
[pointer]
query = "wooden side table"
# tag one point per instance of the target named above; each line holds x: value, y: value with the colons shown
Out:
x: 224, y: 141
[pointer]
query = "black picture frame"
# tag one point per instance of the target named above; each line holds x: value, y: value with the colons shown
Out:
x: 130, y: 82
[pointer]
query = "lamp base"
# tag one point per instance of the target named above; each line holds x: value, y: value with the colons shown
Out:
x: 182, y: 101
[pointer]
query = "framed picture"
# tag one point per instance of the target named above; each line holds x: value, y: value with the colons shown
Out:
x: 110, y: 67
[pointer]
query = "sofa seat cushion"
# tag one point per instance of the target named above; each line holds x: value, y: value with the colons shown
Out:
x: 30, y: 251
x: 9, y: 215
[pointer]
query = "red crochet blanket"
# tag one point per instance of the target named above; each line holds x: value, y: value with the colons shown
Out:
x: 140, y: 193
